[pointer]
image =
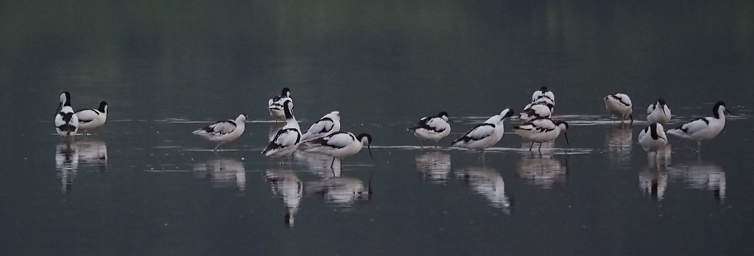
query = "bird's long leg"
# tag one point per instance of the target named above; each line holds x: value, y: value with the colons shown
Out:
x: 216, y: 147
x: 531, y: 145
x: 540, y: 148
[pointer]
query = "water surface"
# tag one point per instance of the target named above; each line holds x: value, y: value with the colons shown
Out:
x: 145, y: 185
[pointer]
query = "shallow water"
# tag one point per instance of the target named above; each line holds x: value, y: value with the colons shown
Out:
x: 145, y: 185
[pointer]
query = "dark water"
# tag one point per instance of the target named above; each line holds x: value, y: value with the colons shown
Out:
x: 146, y: 186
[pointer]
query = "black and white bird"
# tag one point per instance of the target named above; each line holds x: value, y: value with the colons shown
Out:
x: 704, y: 128
x: 619, y: 104
x: 542, y: 130
x: 275, y: 104
x: 288, y: 138
x: 653, y: 137
x: 341, y: 145
x: 486, y: 134
x: 543, y: 93
x: 90, y: 119
x: 326, y: 125
x: 66, y: 121
x: 433, y: 128
x: 658, y: 112
x: 542, y: 108
x: 222, y: 132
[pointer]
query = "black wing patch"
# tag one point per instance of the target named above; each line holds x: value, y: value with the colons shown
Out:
x: 620, y: 100
x: 467, y: 138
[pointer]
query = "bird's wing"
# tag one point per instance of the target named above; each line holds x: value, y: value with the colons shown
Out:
x: 479, y: 132
x: 544, y: 123
x: 323, y: 125
x: 526, y: 126
x: 221, y: 127
x: 695, y: 126
x: 536, y: 95
x: 624, y: 99
x: 87, y: 115
x: 436, y: 124
x: 284, y: 138
x: 337, y: 140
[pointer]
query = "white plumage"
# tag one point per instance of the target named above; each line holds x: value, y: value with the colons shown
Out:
x: 288, y: 138
x: 341, y: 144
x: 486, y: 134
x: 326, y: 125
x: 542, y: 108
x: 66, y: 121
x: 433, y: 128
x: 658, y: 112
x: 704, y: 128
x: 275, y: 104
x: 222, y: 132
x: 541, y: 130
x: 543, y: 92
x: 93, y: 118
x: 619, y: 104
x: 653, y: 137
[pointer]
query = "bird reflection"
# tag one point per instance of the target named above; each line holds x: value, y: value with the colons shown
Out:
x: 223, y: 173
x: 338, y: 190
x: 541, y: 170
x: 619, y: 142
x: 701, y: 176
x: 435, y: 166
x: 488, y: 183
x: 318, y: 164
x: 66, y: 164
x: 286, y: 185
x: 71, y: 155
x: 653, y: 180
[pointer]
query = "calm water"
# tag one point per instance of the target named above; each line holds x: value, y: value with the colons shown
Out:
x: 145, y: 185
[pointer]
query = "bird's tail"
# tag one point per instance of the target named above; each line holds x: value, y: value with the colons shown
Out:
x: 200, y: 132
x: 677, y: 133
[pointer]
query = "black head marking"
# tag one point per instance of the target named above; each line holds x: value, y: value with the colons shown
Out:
x: 286, y: 92
x: 510, y: 113
x: 716, y: 108
x: 442, y: 114
x: 543, y: 89
x: 662, y: 102
x: 102, y: 106
x: 365, y: 135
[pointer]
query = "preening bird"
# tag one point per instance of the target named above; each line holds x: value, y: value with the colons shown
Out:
x: 658, y: 112
x: 542, y: 130
x: 619, y: 104
x: 222, y: 132
x: 288, y: 138
x: 66, y: 121
x: 653, y: 137
x: 326, y: 125
x: 432, y: 128
x: 275, y: 104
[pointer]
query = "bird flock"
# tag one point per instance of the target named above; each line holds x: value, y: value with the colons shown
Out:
x: 325, y: 137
